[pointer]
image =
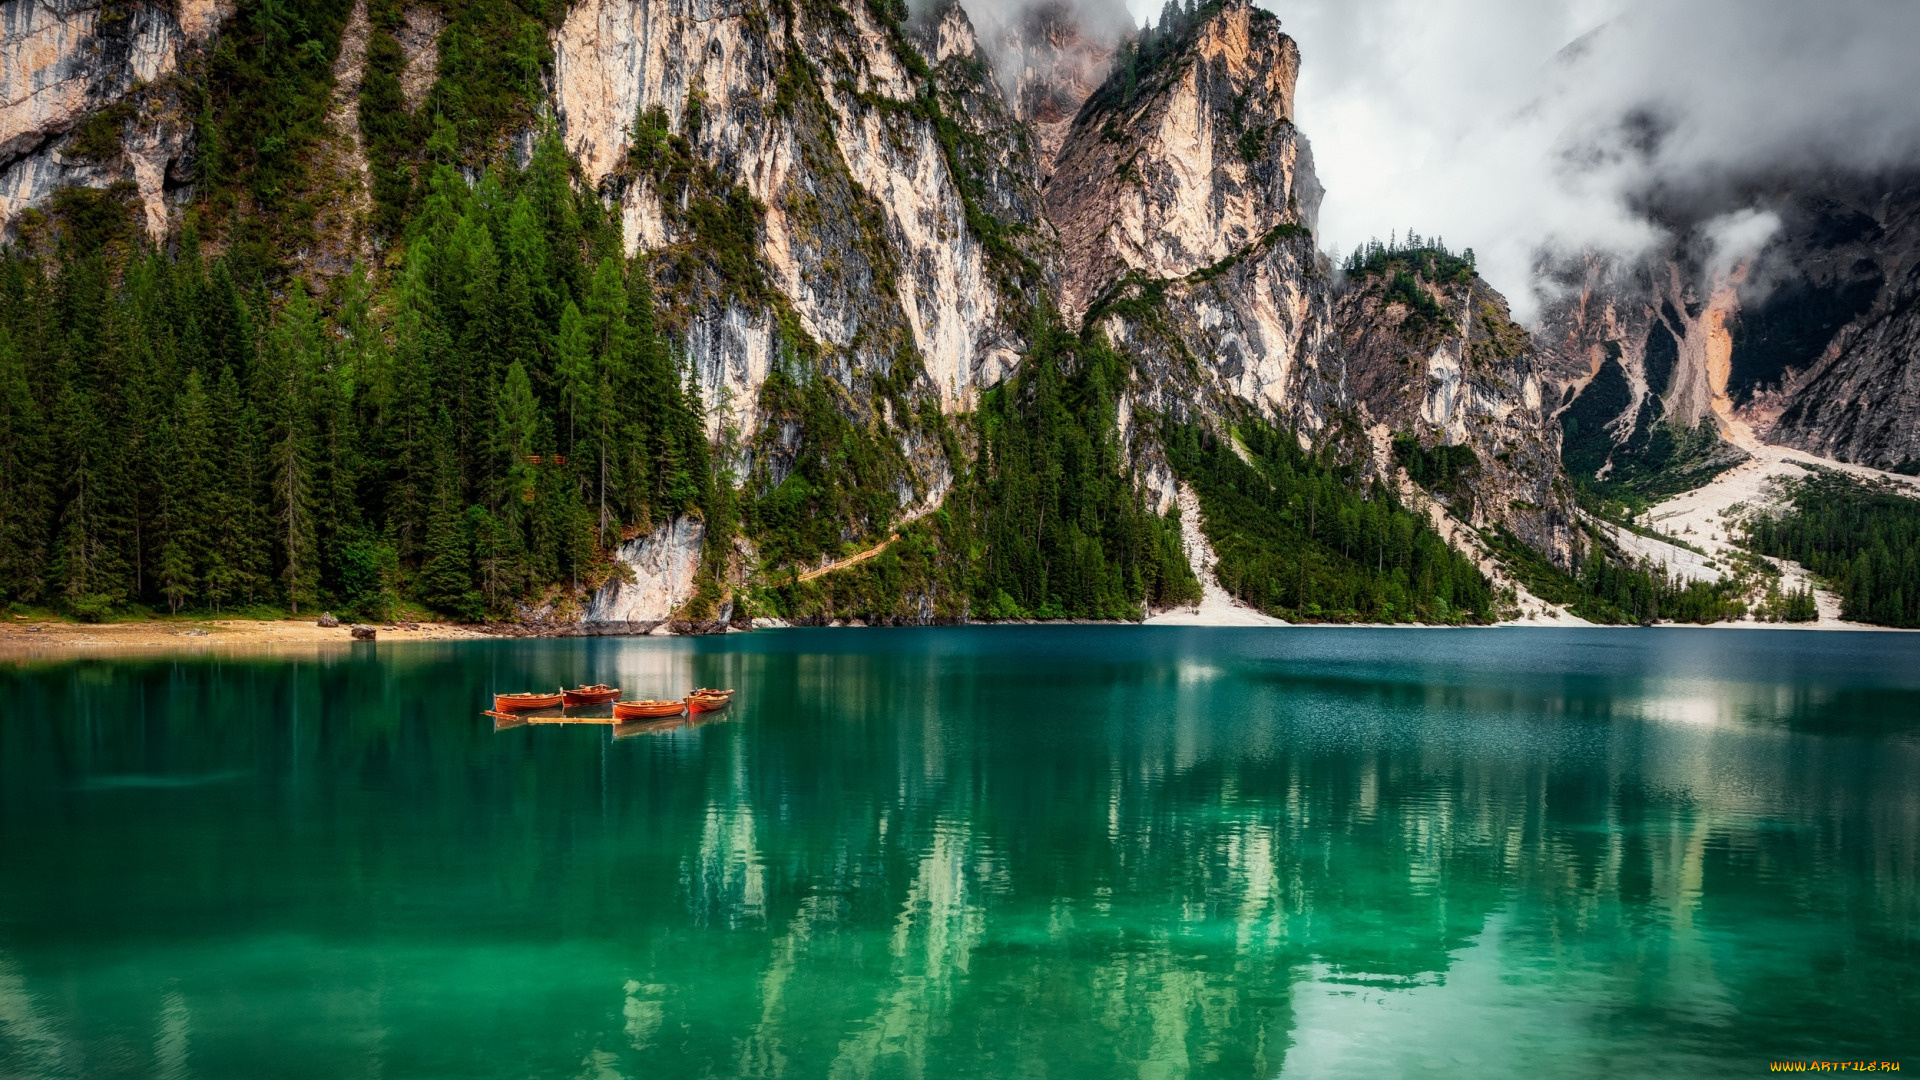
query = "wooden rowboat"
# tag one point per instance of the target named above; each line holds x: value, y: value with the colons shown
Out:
x: 647, y: 710
x: 597, y: 694
x: 707, y: 700
x: 525, y: 701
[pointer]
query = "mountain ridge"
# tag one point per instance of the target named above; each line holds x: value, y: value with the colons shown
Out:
x: 830, y: 235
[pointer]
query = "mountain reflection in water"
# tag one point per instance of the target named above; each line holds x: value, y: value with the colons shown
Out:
x: 1074, y: 851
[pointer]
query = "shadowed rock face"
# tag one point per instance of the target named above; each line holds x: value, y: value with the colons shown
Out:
x: 1808, y: 343
x: 1856, y: 270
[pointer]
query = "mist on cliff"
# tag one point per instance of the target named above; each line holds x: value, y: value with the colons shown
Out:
x: 1518, y: 127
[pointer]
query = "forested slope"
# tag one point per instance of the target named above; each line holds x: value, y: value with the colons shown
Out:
x: 464, y: 306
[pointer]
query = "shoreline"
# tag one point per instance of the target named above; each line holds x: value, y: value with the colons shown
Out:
x: 58, y: 638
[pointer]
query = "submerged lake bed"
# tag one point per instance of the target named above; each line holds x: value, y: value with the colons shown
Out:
x: 971, y: 852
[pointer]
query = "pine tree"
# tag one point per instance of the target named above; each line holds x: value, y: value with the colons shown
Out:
x: 285, y: 390
x: 24, y: 496
x: 240, y: 531
x: 446, y: 580
x: 175, y: 533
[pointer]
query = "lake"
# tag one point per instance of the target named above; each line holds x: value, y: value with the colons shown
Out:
x: 1055, y: 852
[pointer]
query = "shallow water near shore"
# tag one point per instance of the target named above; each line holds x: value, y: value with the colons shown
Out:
x: 971, y: 852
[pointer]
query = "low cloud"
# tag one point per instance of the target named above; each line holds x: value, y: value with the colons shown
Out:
x: 1517, y: 127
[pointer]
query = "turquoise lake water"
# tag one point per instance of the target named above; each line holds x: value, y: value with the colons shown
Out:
x: 983, y: 852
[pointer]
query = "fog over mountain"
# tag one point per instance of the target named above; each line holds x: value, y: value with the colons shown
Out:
x: 1516, y: 125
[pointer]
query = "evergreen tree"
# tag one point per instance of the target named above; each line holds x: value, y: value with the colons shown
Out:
x: 176, y: 537
x: 446, y: 578
x: 24, y: 495
x: 285, y: 391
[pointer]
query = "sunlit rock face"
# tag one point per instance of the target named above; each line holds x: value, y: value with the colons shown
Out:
x: 1193, y: 164
x: 1193, y: 192
x: 657, y: 578
x: 865, y: 235
x: 64, y: 61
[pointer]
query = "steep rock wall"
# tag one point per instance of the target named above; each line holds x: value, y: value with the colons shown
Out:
x: 1185, y: 210
x: 62, y: 62
x: 1842, y: 332
x: 658, y: 575
x: 1473, y: 380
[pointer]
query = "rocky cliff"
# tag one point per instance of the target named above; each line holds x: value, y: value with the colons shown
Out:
x: 1848, y: 266
x: 1434, y: 359
x: 85, y: 100
x: 860, y: 251
x: 1186, y: 201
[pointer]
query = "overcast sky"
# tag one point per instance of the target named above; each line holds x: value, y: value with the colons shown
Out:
x: 1506, y: 125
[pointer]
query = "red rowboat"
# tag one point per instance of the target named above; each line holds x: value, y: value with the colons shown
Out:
x: 526, y: 701
x: 706, y: 700
x: 597, y: 694
x: 647, y: 710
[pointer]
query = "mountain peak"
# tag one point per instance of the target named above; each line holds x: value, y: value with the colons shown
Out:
x: 1187, y: 153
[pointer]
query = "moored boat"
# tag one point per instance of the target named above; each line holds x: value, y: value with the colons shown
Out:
x: 647, y: 710
x: 597, y: 694
x: 707, y: 700
x: 522, y: 702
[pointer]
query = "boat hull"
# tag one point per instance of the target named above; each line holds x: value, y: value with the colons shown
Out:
x: 524, y: 702
x: 589, y: 696
x: 647, y: 710
x: 709, y: 701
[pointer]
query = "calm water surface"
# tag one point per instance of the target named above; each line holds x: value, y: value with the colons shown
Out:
x: 1061, y: 853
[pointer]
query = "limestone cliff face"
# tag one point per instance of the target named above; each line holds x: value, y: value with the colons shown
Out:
x: 1195, y: 194
x: 865, y: 236
x: 661, y: 568
x: 64, y: 63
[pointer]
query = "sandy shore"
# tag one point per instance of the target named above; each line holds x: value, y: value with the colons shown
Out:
x: 41, y: 637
